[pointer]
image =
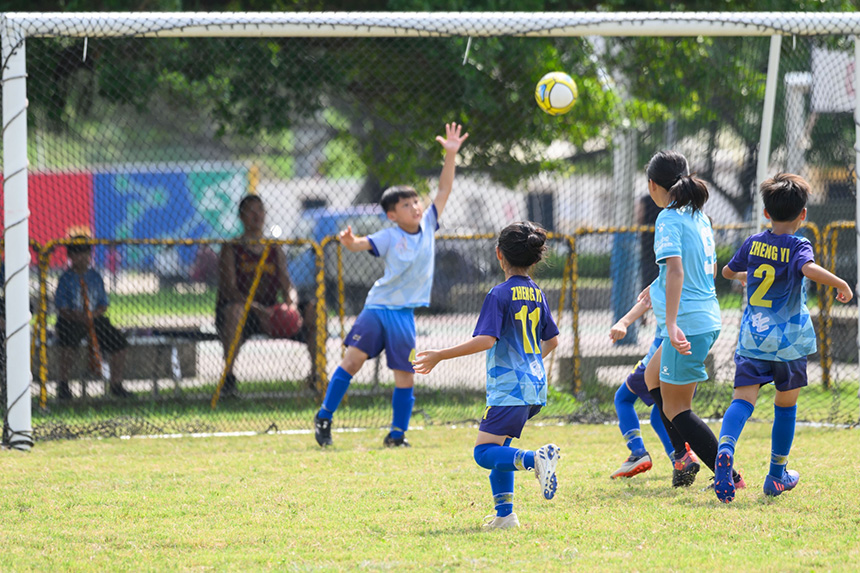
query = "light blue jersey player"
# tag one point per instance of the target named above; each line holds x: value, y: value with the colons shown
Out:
x: 387, y: 321
x: 776, y: 330
x: 685, y: 233
x: 685, y: 304
x: 517, y: 331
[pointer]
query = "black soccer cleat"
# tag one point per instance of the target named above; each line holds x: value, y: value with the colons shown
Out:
x: 390, y: 442
x: 322, y: 431
x: 685, y: 470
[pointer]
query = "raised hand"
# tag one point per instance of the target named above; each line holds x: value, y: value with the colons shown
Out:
x: 452, y: 140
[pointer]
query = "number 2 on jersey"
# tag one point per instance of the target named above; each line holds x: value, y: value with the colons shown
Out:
x: 527, y: 317
x: 766, y: 273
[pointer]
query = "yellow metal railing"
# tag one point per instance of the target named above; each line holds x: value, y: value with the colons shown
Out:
x: 825, y: 243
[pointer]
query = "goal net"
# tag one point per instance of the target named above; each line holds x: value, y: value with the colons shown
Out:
x: 143, y: 132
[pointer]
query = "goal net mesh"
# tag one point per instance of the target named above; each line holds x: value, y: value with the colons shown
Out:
x: 143, y: 147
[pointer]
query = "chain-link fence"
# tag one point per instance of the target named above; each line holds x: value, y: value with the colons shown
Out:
x: 145, y: 147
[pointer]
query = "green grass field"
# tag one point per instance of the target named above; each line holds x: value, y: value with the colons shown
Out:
x: 277, y: 502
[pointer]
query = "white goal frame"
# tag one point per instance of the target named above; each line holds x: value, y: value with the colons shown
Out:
x: 17, y: 27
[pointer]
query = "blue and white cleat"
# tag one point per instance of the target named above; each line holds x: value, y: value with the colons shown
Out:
x: 724, y: 484
x: 775, y: 486
x: 546, y: 459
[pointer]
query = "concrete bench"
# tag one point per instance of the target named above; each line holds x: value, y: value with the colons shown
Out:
x: 153, y: 354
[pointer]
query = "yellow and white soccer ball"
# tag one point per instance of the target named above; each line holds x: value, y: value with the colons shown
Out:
x: 556, y: 93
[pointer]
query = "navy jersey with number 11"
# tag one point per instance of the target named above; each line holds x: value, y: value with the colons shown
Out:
x: 518, y: 316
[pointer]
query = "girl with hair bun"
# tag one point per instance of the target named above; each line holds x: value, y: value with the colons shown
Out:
x: 517, y: 330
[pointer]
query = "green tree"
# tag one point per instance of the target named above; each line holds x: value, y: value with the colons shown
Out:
x: 386, y: 99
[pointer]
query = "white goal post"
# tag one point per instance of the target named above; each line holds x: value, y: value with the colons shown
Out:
x: 17, y: 27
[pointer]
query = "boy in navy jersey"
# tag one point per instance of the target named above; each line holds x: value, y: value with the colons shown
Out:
x: 516, y: 329
x: 776, y: 330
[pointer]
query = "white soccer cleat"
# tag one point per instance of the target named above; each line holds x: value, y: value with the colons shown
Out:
x: 633, y: 466
x: 496, y: 522
x: 546, y: 459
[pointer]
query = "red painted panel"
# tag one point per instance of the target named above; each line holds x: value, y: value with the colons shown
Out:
x: 60, y: 204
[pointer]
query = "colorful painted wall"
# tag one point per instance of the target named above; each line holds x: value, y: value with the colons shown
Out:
x: 195, y: 201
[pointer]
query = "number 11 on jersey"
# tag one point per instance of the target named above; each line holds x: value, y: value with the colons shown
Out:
x: 530, y: 344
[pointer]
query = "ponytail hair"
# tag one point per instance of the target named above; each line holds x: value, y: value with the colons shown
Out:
x: 670, y: 170
x: 689, y: 190
x: 522, y: 244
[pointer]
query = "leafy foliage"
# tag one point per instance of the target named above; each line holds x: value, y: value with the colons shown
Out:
x: 243, y: 90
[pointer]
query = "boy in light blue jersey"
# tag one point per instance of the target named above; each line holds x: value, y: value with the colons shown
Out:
x: 517, y: 331
x: 387, y: 320
x: 776, y: 330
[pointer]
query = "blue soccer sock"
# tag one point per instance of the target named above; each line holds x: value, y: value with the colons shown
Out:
x: 660, y: 430
x: 628, y: 421
x: 401, y: 403
x: 781, y: 438
x: 337, y: 388
x: 505, y: 458
x: 734, y: 419
x: 502, y: 484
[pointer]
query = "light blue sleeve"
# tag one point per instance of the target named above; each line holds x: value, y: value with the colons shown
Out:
x: 381, y: 241
x: 667, y: 236
x: 431, y: 218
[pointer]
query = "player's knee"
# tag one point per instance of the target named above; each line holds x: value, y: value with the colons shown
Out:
x: 480, y: 455
x: 624, y: 395
x: 351, y: 366
x: 353, y: 360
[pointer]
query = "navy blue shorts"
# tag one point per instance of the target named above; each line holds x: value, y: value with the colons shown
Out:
x: 393, y: 330
x: 784, y: 375
x: 636, y: 383
x: 507, y: 420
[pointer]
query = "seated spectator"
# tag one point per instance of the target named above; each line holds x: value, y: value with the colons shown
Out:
x: 237, y: 265
x: 81, y: 303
